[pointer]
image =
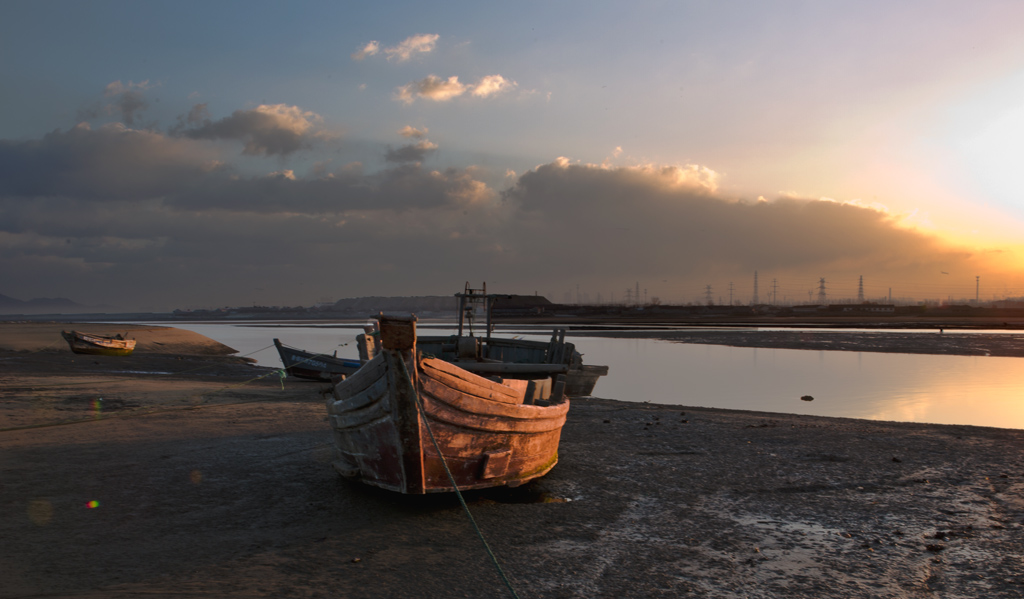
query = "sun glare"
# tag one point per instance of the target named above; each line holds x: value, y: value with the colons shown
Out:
x: 994, y: 156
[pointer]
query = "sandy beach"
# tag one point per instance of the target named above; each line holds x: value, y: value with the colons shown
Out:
x: 180, y: 471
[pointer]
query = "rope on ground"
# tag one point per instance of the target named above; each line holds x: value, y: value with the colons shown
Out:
x: 451, y: 479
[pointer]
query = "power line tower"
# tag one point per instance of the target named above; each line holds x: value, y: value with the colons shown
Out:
x: 775, y: 291
x: 755, y: 301
x: 707, y: 294
x: 637, y: 296
x: 821, y: 291
x: 730, y: 293
x: 860, y: 290
x: 977, y: 289
x: 629, y: 296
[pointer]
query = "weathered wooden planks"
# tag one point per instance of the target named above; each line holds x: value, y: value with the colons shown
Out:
x: 383, y: 416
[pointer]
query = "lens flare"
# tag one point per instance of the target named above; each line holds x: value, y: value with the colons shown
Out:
x: 92, y: 504
x: 196, y: 477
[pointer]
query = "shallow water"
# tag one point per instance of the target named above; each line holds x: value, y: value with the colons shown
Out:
x: 977, y: 390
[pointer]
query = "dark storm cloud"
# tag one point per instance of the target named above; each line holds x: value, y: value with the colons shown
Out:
x: 630, y: 222
x: 97, y: 209
x: 265, y: 130
x: 114, y: 163
x: 109, y: 163
x: 403, y: 187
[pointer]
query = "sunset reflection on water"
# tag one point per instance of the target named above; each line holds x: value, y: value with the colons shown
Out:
x: 975, y: 390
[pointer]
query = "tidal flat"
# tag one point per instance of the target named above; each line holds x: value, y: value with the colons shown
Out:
x: 200, y: 475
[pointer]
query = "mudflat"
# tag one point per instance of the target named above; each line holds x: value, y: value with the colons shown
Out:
x: 45, y: 336
x: 177, y: 475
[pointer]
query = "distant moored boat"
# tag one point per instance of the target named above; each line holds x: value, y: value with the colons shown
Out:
x: 84, y: 343
x: 317, y: 367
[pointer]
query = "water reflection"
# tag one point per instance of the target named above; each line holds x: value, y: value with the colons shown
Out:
x: 986, y: 391
x: 980, y: 390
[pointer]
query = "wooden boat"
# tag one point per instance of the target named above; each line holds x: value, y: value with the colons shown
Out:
x: 580, y: 381
x: 84, y: 343
x: 317, y: 367
x: 479, y: 354
x: 402, y: 417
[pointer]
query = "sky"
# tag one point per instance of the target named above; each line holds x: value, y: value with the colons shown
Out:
x: 162, y: 155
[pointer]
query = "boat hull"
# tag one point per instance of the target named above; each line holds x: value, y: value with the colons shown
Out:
x: 546, y: 357
x: 580, y: 381
x: 97, y: 345
x: 316, y: 367
x: 401, y: 418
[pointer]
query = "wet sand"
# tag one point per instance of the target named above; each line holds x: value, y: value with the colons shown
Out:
x: 213, y: 482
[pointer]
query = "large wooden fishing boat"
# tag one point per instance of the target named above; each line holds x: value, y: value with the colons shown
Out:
x: 84, y: 343
x: 317, y: 367
x: 404, y: 421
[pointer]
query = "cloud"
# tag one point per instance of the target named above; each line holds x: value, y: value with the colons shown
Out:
x: 116, y: 88
x: 434, y: 88
x: 368, y: 50
x: 112, y: 162
x: 409, y: 131
x: 117, y: 164
x: 411, y: 153
x: 422, y: 43
x: 93, y: 209
x: 671, y: 223
x: 284, y: 174
x: 127, y: 100
x: 491, y: 85
x: 266, y: 130
x: 197, y: 115
x: 100, y: 207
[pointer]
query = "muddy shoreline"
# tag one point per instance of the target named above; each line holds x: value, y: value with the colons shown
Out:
x: 217, y: 482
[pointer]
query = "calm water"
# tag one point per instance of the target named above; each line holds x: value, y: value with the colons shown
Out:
x: 986, y: 391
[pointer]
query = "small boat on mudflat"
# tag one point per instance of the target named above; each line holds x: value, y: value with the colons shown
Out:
x: 402, y: 418
x: 317, y: 367
x: 100, y: 345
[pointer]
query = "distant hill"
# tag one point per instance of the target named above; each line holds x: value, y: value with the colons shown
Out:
x: 433, y: 303
x: 418, y: 304
x: 41, y: 305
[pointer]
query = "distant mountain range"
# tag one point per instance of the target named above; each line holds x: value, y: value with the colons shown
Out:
x: 43, y: 305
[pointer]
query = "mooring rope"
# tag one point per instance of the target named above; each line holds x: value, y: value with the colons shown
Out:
x: 451, y: 479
